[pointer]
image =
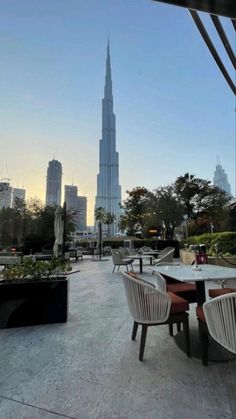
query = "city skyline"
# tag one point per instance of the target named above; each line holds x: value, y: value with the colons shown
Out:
x: 169, y: 94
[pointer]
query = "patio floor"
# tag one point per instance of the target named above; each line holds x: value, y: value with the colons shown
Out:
x: 89, y: 367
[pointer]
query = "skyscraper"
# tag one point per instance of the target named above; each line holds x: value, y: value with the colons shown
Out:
x: 5, y: 194
x: 220, y: 179
x: 71, y: 193
x: 53, y: 188
x: 82, y: 210
x: 108, y: 188
x: 78, y: 204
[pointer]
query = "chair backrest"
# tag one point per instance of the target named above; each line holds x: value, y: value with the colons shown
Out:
x: 229, y: 283
x: 160, y: 281
x: 116, y: 259
x: 124, y: 252
x: 146, y: 303
x: 167, y: 257
x: 164, y: 251
x: 220, y: 313
x: 145, y: 249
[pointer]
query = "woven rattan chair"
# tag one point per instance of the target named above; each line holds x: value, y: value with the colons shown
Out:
x: 228, y: 286
x: 217, y: 317
x: 150, y: 306
x: 167, y: 256
x: 118, y: 260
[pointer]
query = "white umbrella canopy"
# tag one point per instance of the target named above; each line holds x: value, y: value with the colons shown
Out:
x: 58, y: 231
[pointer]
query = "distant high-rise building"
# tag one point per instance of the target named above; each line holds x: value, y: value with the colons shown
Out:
x: 53, y: 187
x: 71, y: 194
x: 82, y: 210
x: 108, y: 188
x: 5, y: 194
x: 17, y: 193
x: 78, y: 204
x: 220, y: 179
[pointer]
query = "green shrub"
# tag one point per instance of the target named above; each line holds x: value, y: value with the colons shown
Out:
x: 226, y: 242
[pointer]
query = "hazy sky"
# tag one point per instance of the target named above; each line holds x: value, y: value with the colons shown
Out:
x: 174, y: 110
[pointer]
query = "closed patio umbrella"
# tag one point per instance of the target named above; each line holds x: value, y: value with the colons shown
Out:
x: 58, y: 232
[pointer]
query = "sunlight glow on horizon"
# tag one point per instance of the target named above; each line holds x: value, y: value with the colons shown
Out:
x: 174, y: 110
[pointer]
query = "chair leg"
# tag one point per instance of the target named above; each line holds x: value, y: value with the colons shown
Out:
x: 118, y: 267
x: 143, y: 341
x: 134, y: 331
x: 114, y: 268
x: 171, y: 329
x: 187, y: 337
x: 205, y: 342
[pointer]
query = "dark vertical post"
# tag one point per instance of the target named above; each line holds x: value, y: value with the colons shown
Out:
x: 100, y: 239
x: 64, y: 229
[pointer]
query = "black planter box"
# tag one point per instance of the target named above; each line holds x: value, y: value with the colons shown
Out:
x: 33, y: 303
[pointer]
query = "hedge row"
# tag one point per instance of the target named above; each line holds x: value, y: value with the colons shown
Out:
x: 226, y: 242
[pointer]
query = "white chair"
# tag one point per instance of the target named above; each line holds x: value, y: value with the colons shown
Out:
x: 217, y: 317
x: 166, y: 259
x: 150, y: 306
x: 229, y: 283
x: 118, y: 260
x: 124, y: 252
x: 228, y: 286
x: 167, y: 256
x: 220, y: 314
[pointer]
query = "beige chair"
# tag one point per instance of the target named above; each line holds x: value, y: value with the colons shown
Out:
x: 167, y: 257
x: 118, y: 260
x: 228, y: 286
x: 149, y: 306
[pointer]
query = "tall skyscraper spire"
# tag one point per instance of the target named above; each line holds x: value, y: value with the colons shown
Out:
x: 220, y: 178
x: 108, y: 188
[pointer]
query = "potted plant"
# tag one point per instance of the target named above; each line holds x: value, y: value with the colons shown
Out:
x: 34, y: 293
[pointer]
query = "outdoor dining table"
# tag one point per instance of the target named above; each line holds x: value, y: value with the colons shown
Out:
x: 140, y: 258
x: 188, y: 273
x: 151, y: 254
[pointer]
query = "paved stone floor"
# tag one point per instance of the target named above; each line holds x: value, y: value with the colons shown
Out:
x: 89, y: 368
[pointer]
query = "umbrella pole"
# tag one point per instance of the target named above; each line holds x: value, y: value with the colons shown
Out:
x: 64, y: 230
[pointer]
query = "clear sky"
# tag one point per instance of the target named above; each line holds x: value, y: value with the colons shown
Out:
x: 174, y: 110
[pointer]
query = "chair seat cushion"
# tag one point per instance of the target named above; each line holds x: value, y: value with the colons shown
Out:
x: 127, y: 261
x: 217, y: 292
x: 184, y: 290
x: 179, y: 287
x: 178, y: 304
x: 200, y: 314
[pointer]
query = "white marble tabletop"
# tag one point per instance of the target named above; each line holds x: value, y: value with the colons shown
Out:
x: 189, y: 273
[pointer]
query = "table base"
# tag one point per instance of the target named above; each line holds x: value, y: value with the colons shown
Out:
x: 216, y: 353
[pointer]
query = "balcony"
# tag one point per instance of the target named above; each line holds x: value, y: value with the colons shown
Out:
x: 89, y: 367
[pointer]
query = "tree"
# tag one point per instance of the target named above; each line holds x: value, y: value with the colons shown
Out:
x: 204, y: 203
x: 108, y: 220
x: 169, y: 211
x: 135, y: 208
x: 100, y: 216
x: 30, y: 224
x: 186, y: 188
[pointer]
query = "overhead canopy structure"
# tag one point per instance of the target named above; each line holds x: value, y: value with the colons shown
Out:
x: 225, y: 8
x: 215, y: 8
